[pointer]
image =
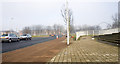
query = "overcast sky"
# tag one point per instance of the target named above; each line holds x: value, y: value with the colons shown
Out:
x: 21, y: 13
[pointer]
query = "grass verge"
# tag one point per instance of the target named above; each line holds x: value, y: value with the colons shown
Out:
x: 41, y: 36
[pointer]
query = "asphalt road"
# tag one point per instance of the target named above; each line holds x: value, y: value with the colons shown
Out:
x: 6, y: 47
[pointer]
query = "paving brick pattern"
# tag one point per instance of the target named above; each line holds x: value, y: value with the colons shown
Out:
x: 87, y: 50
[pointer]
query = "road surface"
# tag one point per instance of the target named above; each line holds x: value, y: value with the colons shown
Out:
x: 38, y: 53
x: 6, y: 47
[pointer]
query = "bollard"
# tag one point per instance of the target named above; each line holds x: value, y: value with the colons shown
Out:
x: 56, y: 37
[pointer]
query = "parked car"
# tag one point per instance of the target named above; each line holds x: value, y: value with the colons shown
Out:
x: 9, y: 38
x: 25, y: 37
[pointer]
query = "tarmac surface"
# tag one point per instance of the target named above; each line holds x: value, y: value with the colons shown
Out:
x: 6, y: 46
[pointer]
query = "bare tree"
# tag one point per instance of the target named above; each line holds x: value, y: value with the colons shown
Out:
x: 55, y: 27
x: 27, y: 30
x: 116, y: 22
x: 63, y: 12
x: 48, y: 29
x: 58, y: 29
x: 62, y: 29
x: 87, y: 27
x: 97, y: 27
x: 70, y: 17
x: 44, y: 30
x: 38, y: 29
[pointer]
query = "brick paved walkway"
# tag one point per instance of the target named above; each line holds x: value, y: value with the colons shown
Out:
x: 87, y: 50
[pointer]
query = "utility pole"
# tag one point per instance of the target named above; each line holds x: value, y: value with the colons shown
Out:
x: 67, y: 17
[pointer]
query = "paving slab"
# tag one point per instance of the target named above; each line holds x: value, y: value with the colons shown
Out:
x: 87, y: 51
